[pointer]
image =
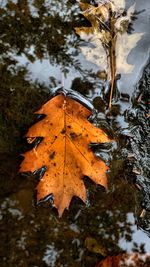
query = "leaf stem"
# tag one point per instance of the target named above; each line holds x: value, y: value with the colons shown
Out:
x: 112, y: 56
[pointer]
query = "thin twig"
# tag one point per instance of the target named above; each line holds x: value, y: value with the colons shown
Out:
x: 112, y: 56
x: 103, y: 23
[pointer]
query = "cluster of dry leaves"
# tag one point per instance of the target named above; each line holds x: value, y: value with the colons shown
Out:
x: 108, y: 38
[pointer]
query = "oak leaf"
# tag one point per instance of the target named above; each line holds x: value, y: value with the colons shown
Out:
x: 65, y: 151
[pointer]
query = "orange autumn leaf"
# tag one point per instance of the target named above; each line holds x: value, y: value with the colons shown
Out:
x: 65, y: 151
x: 126, y: 260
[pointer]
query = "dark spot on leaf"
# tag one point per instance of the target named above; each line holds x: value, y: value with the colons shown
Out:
x: 51, y: 123
x: 73, y: 135
x: 54, y: 164
x: 63, y: 131
x: 69, y: 126
x: 52, y: 155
